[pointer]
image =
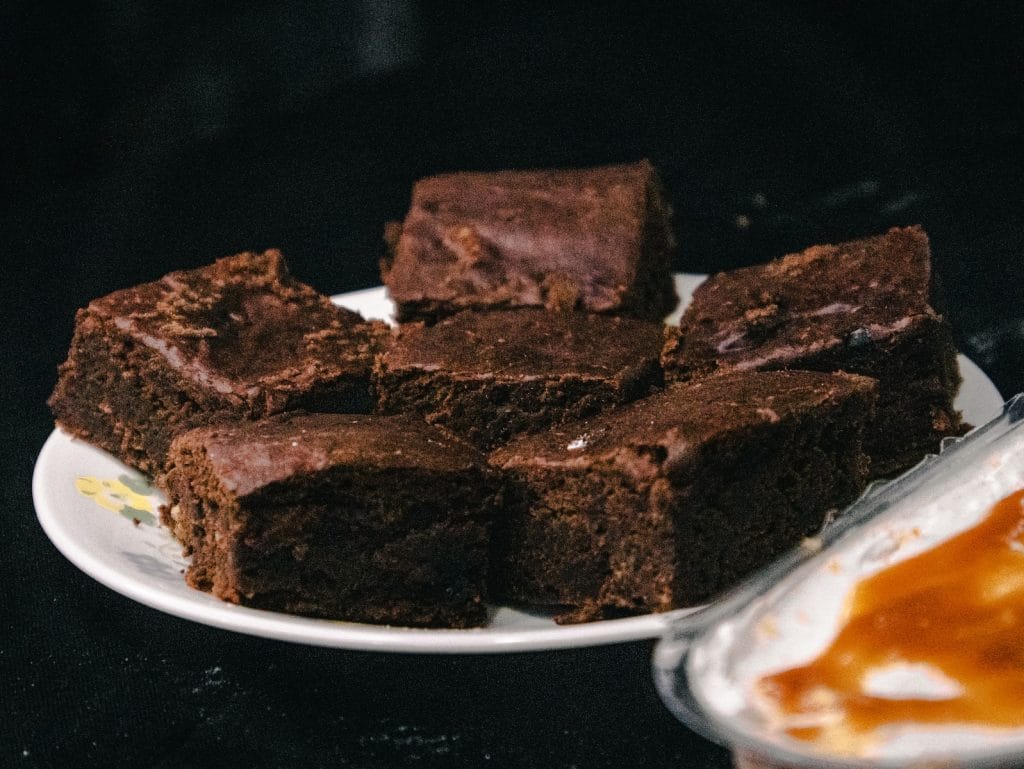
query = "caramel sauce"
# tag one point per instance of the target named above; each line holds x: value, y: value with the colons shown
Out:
x: 957, y: 608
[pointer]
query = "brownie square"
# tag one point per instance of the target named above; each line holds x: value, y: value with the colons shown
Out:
x: 866, y: 307
x: 356, y: 517
x: 596, y: 239
x: 238, y: 339
x: 488, y: 376
x: 663, y: 503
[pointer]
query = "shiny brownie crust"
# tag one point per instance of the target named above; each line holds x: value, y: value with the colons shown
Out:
x: 597, y: 239
x: 355, y: 517
x: 238, y: 339
x: 866, y: 307
x: 489, y: 376
x: 662, y: 503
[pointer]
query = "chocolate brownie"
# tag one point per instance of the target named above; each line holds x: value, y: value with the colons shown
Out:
x: 866, y: 307
x: 488, y: 376
x: 364, y: 518
x: 597, y: 239
x: 664, y: 502
x: 236, y: 339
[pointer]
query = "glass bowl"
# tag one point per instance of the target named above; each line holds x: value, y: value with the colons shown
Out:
x: 709, y: 666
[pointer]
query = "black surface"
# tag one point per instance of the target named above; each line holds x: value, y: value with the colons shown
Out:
x: 143, y: 137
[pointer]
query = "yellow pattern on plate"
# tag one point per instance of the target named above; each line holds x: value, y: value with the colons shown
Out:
x: 124, y: 495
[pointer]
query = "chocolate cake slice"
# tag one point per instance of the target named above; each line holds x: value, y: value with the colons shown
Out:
x: 866, y: 307
x: 664, y: 502
x: 488, y: 376
x: 596, y: 239
x: 363, y: 518
x: 238, y: 339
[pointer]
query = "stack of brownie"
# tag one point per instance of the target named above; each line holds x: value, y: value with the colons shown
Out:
x: 526, y: 434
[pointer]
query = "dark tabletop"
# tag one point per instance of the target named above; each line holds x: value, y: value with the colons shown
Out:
x: 143, y: 137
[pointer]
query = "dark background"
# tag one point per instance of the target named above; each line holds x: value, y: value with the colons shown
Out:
x: 141, y: 137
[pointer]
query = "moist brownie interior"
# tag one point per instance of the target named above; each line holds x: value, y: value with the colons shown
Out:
x: 365, y: 518
x: 663, y: 502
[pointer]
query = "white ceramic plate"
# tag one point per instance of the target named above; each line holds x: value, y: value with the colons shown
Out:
x: 103, y: 517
